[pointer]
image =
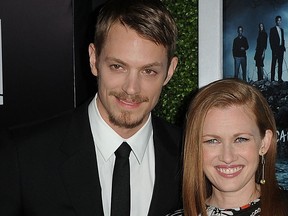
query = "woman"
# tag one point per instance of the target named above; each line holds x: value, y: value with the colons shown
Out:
x: 229, y: 154
x: 260, y: 50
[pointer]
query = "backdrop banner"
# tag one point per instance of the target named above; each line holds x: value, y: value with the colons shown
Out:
x: 249, y: 15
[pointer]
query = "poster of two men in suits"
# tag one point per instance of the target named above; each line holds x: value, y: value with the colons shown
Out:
x: 252, y: 23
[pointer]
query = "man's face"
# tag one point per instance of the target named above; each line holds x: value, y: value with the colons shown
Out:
x: 240, y: 31
x: 278, y: 21
x: 131, y: 72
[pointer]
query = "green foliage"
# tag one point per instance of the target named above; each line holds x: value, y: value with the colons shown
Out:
x: 175, y: 95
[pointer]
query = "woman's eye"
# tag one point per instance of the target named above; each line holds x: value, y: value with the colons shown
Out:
x: 241, y: 139
x: 211, y: 141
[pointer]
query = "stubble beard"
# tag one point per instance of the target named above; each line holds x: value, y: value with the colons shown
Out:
x: 124, y: 119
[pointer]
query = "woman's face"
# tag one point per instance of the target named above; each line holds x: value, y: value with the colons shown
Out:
x: 261, y: 26
x: 231, y: 148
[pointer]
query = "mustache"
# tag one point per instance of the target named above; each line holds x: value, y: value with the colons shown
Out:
x: 132, y: 98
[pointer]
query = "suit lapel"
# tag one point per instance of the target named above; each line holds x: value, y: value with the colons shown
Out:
x: 167, y: 169
x: 80, y: 171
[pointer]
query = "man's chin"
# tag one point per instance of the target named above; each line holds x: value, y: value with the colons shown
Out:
x: 125, y: 122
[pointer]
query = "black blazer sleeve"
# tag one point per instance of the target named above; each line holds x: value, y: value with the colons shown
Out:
x: 10, y: 201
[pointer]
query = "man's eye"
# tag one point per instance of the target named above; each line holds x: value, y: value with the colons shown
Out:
x: 241, y: 140
x: 116, y: 66
x: 149, y: 72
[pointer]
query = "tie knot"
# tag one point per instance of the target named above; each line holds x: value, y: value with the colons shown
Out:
x: 123, y: 151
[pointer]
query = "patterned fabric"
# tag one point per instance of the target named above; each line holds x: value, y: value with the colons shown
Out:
x: 179, y: 212
x: 251, y: 209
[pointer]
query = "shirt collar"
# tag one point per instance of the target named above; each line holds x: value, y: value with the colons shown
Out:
x: 107, y: 140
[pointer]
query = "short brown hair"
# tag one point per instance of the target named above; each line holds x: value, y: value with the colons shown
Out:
x: 149, y: 18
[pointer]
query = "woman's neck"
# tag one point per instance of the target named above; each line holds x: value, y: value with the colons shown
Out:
x: 229, y: 200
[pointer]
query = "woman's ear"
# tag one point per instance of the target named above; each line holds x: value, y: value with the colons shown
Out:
x: 92, y: 59
x: 266, y: 141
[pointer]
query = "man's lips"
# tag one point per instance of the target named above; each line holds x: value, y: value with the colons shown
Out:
x: 128, y: 100
x: 131, y: 103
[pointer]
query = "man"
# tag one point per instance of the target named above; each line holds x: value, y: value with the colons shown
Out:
x: 240, y: 45
x: 65, y: 166
x: 277, y: 44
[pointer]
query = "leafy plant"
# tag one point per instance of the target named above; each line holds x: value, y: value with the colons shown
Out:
x: 176, y: 94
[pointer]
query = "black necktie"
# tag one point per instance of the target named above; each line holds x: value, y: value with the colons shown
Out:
x: 120, y: 201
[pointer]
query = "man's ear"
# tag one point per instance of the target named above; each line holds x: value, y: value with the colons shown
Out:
x: 171, y: 70
x: 92, y: 59
x: 266, y: 141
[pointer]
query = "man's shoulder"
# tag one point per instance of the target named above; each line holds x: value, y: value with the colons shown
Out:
x: 49, y: 128
x: 161, y: 123
x: 273, y: 28
x: 167, y: 133
x: 39, y: 127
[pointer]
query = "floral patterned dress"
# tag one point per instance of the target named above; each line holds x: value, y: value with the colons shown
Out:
x: 251, y: 209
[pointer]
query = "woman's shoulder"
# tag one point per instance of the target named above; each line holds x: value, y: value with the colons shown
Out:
x: 284, y: 194
x: 284, y: 200
x: 179, y: 212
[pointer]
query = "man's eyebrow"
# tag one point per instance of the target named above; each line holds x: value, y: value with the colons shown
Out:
x: 157, y: 64
x: 115, y: 59
x: 153, y: 64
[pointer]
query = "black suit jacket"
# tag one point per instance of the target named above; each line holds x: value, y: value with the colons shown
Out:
x: 52, y: 171
x: 274, y: 40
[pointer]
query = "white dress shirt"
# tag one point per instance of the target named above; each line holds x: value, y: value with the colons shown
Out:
x: 280, y: 35
x: 142, y: 161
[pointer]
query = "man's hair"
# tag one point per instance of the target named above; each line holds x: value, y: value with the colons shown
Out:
x: 149, y: 18
x: 277, y: 17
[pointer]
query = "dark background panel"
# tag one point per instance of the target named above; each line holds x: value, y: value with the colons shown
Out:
x: 45, y: 58
x: 84, y: 27
x: 85, y: 83
x: 37, y: 59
